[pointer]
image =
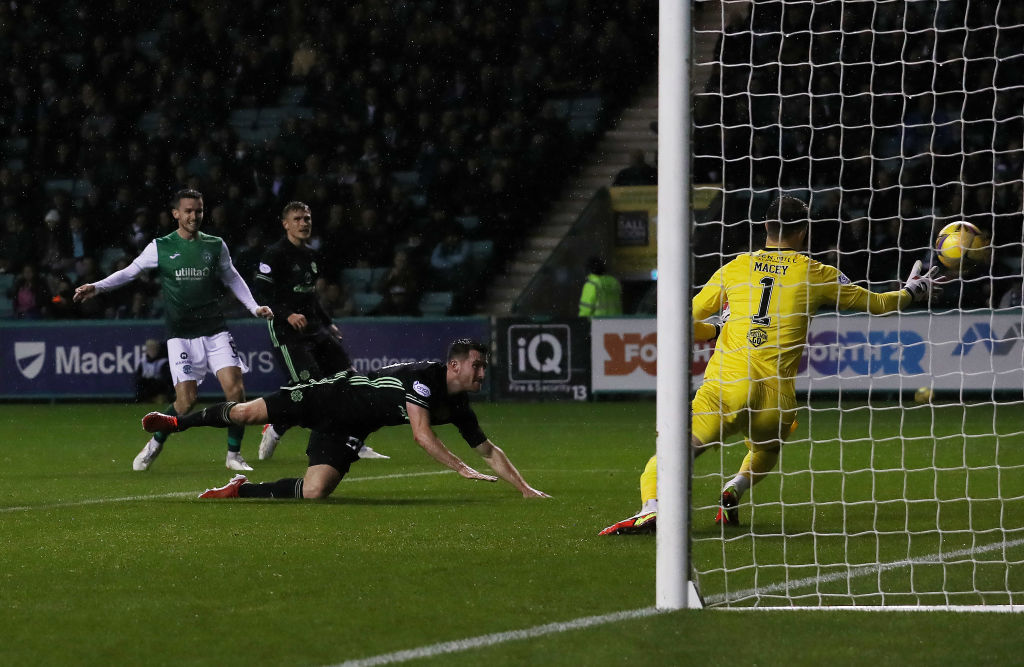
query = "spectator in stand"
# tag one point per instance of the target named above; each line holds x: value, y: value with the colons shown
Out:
x: 336, y: 298
x: 400, y: 288
x: 53, y: 250
x: 153, y: 374
x: 17, y: 246
x: 29, y: 295
x: 639, y: 172
x: 62, y: 305
x: 247, y: 258
x: 449, y: 261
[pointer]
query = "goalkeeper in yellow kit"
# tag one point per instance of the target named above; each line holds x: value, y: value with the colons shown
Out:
x: 771, y: 295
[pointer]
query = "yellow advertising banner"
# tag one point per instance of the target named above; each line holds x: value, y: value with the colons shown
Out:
x: 635, y: 220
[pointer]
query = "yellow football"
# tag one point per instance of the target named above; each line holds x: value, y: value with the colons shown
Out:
x: 961, y: 247
x: 924, y: 395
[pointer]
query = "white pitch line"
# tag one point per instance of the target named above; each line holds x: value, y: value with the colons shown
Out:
x: 589, y: 621
x: 497, y: 638
x: 190, y: 494
x: 858, y: 572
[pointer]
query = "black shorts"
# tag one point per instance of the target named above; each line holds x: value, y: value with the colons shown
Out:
x: 344, y: 403
x: 337, y: 450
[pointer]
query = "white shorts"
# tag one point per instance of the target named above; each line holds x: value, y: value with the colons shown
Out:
x: 192, y: 358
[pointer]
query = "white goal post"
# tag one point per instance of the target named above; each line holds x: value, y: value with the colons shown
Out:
x: 903, y: 483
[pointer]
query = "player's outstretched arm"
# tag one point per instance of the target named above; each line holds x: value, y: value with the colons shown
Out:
x: 500, y: 464
x: 419, y: 419
x: 146, y: 260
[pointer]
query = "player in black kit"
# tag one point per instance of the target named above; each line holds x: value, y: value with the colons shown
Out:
x: 345, y: 408
x: 307, y: 343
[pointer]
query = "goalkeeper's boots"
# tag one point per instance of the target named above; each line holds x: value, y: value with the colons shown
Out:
x: 728, y: 511
x: 148, y: 454
x: 229, y: 490
x: 639, y: 524
x: 235, y: 461
x: 158, y: 421
x: 268, y: 443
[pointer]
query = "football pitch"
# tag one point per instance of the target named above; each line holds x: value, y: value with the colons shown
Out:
x: 407, y: 562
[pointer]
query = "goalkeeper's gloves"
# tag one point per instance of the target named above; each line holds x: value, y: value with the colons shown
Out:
x: 919, y: 286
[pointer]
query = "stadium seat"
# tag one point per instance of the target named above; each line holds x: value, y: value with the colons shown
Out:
x: 436, y: 303
x: 377, y: 274
x: 15, y: 146
x: 366, y: 301
x: 73, y: 60
x: 244, y: 118
x: 586, y: 107
x: 59, y: 185
x: 109, y: 257
x: 292, y: 96
x: 149, y: 122
x: 358, y: 279
x: 81, y: 189
x: 147, y: 42
x: 582, y: 125
x: 561, y: 107
x: 6, y: 304
x: 407, y: 179
x: 469, y: 223
x: 481, y: 253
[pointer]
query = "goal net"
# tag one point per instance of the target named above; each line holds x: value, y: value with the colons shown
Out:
x: 892, y: 119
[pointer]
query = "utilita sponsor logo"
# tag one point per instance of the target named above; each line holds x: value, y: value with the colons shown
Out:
x: 191, y: 273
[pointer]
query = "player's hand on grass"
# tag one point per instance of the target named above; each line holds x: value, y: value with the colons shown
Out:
x: 469, y: 473
x: 920, y: 286
x: 264, y: 311
x: 530, y: 492
x: 85, y: 292
x: 298, y: 321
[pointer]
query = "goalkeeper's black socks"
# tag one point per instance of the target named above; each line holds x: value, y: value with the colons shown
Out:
x: 215, y: 415
x: 290, y: 487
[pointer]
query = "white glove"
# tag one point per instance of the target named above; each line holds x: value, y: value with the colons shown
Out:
x: 921, y: 286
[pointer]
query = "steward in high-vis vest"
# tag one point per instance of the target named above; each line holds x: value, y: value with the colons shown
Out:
x: 602, y: 293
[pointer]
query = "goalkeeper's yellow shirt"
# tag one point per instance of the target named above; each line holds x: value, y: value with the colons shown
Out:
x: 771, y: 296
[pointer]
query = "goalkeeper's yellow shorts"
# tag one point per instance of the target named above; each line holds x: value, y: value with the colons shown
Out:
x: 756, y: 409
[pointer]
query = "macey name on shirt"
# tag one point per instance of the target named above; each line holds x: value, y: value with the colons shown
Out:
x: 765, y: 267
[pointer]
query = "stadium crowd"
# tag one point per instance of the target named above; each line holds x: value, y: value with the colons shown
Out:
x: 425, y: 136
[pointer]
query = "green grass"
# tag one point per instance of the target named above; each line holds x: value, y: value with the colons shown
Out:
x: 882, y: 487
x: 102, y: 565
